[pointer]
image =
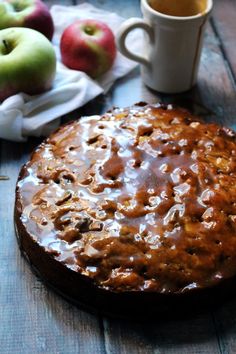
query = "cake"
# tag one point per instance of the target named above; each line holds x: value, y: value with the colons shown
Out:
x: 132, y: 211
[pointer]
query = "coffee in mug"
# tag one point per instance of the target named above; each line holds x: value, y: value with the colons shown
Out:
x: 179, y: 8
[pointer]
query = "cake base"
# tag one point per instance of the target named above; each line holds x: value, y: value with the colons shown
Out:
x: 132, y: 214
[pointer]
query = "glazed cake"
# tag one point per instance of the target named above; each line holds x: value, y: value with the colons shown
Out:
x: 136, y: 206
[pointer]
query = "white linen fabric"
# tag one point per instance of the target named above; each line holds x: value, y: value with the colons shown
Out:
x: 23, y: 115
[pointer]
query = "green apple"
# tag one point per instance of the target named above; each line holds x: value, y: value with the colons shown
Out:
x: 33, y: 14
x: 27, y: 62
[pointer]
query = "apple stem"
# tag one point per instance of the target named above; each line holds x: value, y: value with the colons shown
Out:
x: 89, y: 30
x: 6, y: 45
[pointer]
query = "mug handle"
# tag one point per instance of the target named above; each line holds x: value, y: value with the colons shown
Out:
x: 124, y: 30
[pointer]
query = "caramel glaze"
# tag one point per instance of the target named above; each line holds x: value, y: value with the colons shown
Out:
x: 139, y: 199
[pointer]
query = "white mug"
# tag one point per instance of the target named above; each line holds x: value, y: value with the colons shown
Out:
x: 171, y: 47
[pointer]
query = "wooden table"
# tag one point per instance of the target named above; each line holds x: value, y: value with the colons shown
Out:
x: 33, y: 319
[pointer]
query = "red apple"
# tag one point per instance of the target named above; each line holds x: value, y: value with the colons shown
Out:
x: 26, y: 13
x: 89, y: 46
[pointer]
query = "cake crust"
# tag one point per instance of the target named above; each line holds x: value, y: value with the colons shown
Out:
x: 139, y: 201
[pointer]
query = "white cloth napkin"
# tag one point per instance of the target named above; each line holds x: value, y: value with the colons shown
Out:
x: 23, y: 115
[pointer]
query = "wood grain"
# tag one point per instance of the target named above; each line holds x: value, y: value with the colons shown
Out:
x: 195, y: 335
x: 33, y: 319
x: 224, y: 22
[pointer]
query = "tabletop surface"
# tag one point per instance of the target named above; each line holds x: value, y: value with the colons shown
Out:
x: 33, y: 319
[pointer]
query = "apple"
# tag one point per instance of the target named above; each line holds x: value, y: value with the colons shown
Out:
x: 89, y: 46
x: 26, y: 13
x: 27, y: 62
